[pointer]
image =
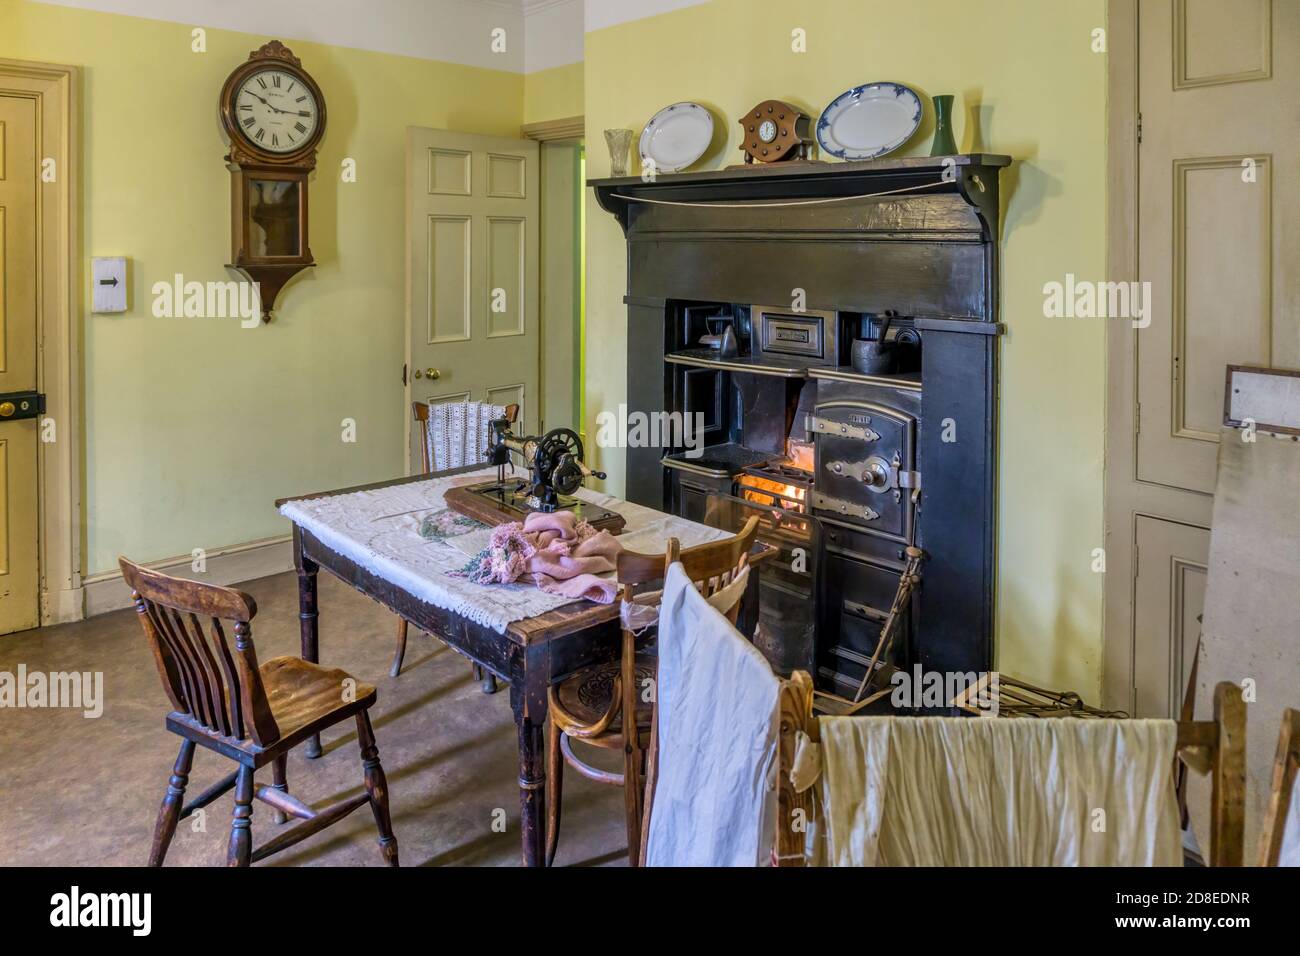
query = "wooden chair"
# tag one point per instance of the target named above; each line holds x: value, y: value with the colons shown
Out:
x: 1216, y: 747
x: 420, y: 410
x: 1285, y: 768
x: 252, y: 713
x: 591, y: 705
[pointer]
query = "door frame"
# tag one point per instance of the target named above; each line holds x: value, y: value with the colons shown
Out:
x: 56, y: 91
x: 569, y: 131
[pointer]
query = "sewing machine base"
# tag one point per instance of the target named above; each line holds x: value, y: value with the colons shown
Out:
x: 499, y: 502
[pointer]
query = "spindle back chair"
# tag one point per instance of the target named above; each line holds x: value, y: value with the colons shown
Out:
x: 250, y: 712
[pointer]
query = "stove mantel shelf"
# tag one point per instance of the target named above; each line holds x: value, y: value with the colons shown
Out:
x: 812, y: 180
x: 810, y: 170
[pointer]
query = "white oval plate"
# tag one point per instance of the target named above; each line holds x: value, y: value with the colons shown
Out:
x: 676, y: 136
x: 869, y: 121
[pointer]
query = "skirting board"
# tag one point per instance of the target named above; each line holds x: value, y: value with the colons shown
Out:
x: 107, y: 591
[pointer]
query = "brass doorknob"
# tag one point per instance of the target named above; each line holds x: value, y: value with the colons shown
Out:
x: 417, y: 374
x: 7, y: 409
x: 433, y: 373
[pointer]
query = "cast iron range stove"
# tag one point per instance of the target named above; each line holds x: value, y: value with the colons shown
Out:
x: 844, y: 468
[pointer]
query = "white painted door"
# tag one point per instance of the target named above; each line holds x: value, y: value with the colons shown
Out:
x: 1220, y: 212
x: 19, y: 543
x: 1218, y: 217
x: 472, y: 273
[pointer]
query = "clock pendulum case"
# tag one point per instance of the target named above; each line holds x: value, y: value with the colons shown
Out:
x: 274, y: 114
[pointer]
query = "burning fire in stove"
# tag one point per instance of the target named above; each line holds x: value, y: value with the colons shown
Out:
x: 781, y: 483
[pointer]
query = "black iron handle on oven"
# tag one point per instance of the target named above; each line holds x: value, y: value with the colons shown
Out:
x: 877, y: 474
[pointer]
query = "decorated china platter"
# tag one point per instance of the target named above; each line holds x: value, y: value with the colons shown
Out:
x: 676, y: 136
x: 869, y: 121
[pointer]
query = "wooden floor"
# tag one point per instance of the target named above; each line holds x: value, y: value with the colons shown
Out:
x: 85, y: 791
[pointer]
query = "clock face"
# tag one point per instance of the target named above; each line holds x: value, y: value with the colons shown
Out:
x: 767, y: 131
x: 275, y: 111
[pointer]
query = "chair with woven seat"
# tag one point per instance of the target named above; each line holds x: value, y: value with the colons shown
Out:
x: 252, y: 713
x: 590, y: 705
x: 420, y: 411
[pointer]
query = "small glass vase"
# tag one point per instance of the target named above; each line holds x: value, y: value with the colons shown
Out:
x: 619, y: 142
x: 944, y: 145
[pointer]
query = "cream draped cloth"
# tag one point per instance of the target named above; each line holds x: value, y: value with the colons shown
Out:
x: 955, y: 791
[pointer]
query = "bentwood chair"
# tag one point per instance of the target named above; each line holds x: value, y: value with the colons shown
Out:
x: 592, y: 705
x: 1286, y: 767
x: 252, y: 713
x: 420, y: 410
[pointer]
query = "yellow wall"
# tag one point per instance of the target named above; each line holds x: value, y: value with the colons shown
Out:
x: 195, y: 426
x: 1026, y: 66
x: 553, y: 94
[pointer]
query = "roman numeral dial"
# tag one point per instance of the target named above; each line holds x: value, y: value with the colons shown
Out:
x: 276, y: 111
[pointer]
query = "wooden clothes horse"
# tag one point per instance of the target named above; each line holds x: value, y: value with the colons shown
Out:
x: 1285, y: 768
x: 420, y: 412
x: 1215, y: 747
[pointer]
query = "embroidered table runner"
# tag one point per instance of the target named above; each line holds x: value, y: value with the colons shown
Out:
x: 406, y: 535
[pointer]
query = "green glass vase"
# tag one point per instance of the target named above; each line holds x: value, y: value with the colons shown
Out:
x: 944, y: 145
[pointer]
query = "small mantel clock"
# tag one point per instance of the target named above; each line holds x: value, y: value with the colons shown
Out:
x: 774, y: 131
x: 274, y: 114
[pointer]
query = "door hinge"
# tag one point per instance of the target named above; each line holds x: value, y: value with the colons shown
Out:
x: 825, y: 426
x: 827, y: 503
x: 1139, y: 129
x: 1137, y: 419
x: 1137, y: 561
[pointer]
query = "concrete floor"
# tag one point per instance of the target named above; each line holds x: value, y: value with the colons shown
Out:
x: 77, y: 791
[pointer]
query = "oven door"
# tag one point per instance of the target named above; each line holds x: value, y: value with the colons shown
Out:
x: 787, y: 616
x: 864, y: 466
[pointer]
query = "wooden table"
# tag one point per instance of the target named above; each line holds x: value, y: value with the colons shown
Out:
x: 531, y: 655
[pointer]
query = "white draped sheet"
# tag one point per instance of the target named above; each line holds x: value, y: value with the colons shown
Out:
x: 718, y: 723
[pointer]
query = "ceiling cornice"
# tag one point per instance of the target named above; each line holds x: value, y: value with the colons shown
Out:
x: 538, y: 6
x: 542, y: 33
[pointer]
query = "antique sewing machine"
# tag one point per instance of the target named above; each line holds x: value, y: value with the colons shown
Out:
x: 555, y: 471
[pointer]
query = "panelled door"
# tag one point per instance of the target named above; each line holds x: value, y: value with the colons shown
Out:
x: 19, y: 437
x: 1218, y: 217
x: 472, y: 275
x: 1219, y: 213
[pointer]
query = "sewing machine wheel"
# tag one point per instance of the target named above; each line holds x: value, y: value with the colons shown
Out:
x: 556, y: 453
x: 557, y: 443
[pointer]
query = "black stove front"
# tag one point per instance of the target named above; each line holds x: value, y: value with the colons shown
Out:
x: 826, y: 456
x: 845, y: 467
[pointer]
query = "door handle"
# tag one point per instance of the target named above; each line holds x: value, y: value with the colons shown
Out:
x: 432, y: 373
x: 19, y: 405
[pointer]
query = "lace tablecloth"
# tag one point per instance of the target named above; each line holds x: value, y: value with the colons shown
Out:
x: 379, y: 529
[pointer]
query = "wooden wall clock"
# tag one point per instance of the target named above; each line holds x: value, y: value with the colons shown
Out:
x: 274, y: 114
x: 775, y: 131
